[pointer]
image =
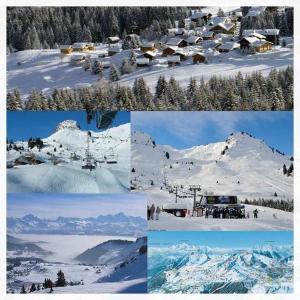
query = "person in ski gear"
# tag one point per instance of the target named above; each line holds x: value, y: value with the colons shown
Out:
x: 157, y: 212
x: 255, y: 213
x: 152, y: 211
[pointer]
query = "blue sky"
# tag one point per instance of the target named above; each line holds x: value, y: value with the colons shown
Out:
x: 25, y: 124
x: 222, y: 239
x: 75, y: 205
x: 186, y: 129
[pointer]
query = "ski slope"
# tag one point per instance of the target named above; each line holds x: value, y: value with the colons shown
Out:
x: 66, y: 174
x: 249, y: 168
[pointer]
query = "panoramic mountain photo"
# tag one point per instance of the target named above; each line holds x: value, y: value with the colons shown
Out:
x: 68, y: 152
x: 211, y: 262
x: 214, y: 170
x: 150, y: 58
x: 76, y: 243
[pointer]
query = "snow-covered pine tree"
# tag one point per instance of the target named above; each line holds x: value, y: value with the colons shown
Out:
x: 114, y: 73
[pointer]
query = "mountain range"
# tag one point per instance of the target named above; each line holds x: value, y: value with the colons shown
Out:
x: 118, y: 224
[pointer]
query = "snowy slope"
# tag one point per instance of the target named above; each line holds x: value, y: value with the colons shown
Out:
x: 66, y: 174
x: 186, y: 268
x: 248, y: 169
x: 45, y: 70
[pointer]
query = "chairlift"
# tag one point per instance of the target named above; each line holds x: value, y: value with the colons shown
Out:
x: 111, y: 158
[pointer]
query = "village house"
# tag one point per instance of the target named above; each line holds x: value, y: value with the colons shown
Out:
x: 197, y: 16
x: 182, y: 54
x: 208, y: 35
x: 198, y: 58
x: 80, y: 47
x: 260, y: 45
x: 177, y: 42
x: 66, y: 49
x: 173, y: 60
x: 150, y: 55
x: 228, y: 46
x: 271, y: 35
x: 91, y: 46
x: 27, y: 159
x: 113, y: 40
x: 225, y: 28
x: 193, y: 40
x: 169, y: 50
x: 142, y: 62
x: 147, y: 47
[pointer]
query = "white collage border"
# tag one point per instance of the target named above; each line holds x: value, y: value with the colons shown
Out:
x: 220, y: 3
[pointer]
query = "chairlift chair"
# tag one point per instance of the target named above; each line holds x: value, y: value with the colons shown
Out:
x: 111, y: 158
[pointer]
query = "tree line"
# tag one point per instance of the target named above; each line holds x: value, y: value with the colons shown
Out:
x: 271, y: 18
x: 277, y: 204
x: 47, y: 27
x: 240, y: 92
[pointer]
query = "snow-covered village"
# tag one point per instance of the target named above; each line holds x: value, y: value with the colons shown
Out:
x: 236, y: 181
x: 56, y: 154
x: 152, y: 58
x: 57, y: 245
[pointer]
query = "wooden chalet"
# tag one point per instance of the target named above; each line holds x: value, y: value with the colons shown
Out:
x: 113, y: 39
x: 193, y: 40
x: 173, y: 60
x: 208, y: 35
x: 150, y: 55
x: 182, y: 54
x: 80, y: 47
x: 177, y: 42
x: 66, y: 49
x: 198, y: 58
x: 260, y: 45
x: 224, y: 28
x: 169, y: 50
x: 147, y: 47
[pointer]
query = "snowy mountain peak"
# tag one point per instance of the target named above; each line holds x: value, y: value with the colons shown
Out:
x: 67, y: 124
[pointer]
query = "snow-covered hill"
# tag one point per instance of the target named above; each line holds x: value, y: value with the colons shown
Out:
x: 185, y: 268
x: 115, y: 225
x: 60, y: 162
x: 242, y: 165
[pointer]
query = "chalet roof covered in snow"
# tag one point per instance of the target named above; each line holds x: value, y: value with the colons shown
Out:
x: 174, y: 41
x: 229, y: 46
x: 226, y: 26
x: 256, y: 42
x: 147, y: 44
x: 171, y: 47
x: 207, y: 33
x: 193, y: 39
x: 217, y: 20
x: 151, y: 53
x: 142, y: 61
x: 79, y: 45
x: 113, y: 38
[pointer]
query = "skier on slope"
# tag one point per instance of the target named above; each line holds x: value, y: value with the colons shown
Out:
x: 255, y: 213
x: 157, y: 212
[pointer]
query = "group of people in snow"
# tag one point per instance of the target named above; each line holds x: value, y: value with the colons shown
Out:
x: 225, y: 213
x: 152, y: 212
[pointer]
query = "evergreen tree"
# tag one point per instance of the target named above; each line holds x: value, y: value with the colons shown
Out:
x: 32, y: 288
x: 23, y: 290
x: 114, y: 73
x: 61, y: 281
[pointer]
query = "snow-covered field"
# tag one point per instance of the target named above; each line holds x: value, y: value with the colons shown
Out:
x: 187, y: 268
x: 45, y: 70
x: 119, y: 270
x: 64, y: 154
